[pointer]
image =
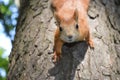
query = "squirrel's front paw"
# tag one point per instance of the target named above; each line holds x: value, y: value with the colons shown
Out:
x: 91, y: 44
x: 55, y: 57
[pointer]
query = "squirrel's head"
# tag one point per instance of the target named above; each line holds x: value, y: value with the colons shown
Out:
x: 68, y: 27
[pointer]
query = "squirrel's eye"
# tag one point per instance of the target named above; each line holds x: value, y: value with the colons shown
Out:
x: 76, y: 26
x: 60, y: 28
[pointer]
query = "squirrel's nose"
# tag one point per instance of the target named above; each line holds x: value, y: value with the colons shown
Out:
x: 70, y: 36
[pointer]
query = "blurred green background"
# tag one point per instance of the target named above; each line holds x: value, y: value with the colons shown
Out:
x: 8, y: 21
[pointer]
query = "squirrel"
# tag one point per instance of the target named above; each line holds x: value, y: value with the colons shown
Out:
x: 71, y: 16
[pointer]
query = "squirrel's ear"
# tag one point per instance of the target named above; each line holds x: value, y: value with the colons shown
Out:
x: 57, y: 18
x: 76, y: 15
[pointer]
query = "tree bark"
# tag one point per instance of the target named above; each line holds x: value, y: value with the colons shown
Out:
x: 30, y: 58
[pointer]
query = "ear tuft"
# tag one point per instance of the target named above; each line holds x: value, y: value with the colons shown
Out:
x: 76, y: 15
x: 57, y: 18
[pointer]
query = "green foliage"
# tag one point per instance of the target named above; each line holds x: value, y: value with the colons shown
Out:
x: 3, y: 63
x: 5, y: 16
x: 2, y: 78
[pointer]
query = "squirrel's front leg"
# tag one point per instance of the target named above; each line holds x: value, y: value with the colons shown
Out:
x: 58, y: 43
x: 89, y: 40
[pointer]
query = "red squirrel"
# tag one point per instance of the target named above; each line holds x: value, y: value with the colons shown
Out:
x: 71, y: 16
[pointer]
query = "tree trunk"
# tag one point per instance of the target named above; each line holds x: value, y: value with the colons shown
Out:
x: 30, y: 58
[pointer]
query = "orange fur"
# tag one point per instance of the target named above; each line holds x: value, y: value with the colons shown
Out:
x: 69, y: 13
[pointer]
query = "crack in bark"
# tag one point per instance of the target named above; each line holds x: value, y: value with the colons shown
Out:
x: 78, y: 75
x: 93, y: 17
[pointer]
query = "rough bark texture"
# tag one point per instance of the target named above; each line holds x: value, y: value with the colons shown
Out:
x: 30, y: 58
